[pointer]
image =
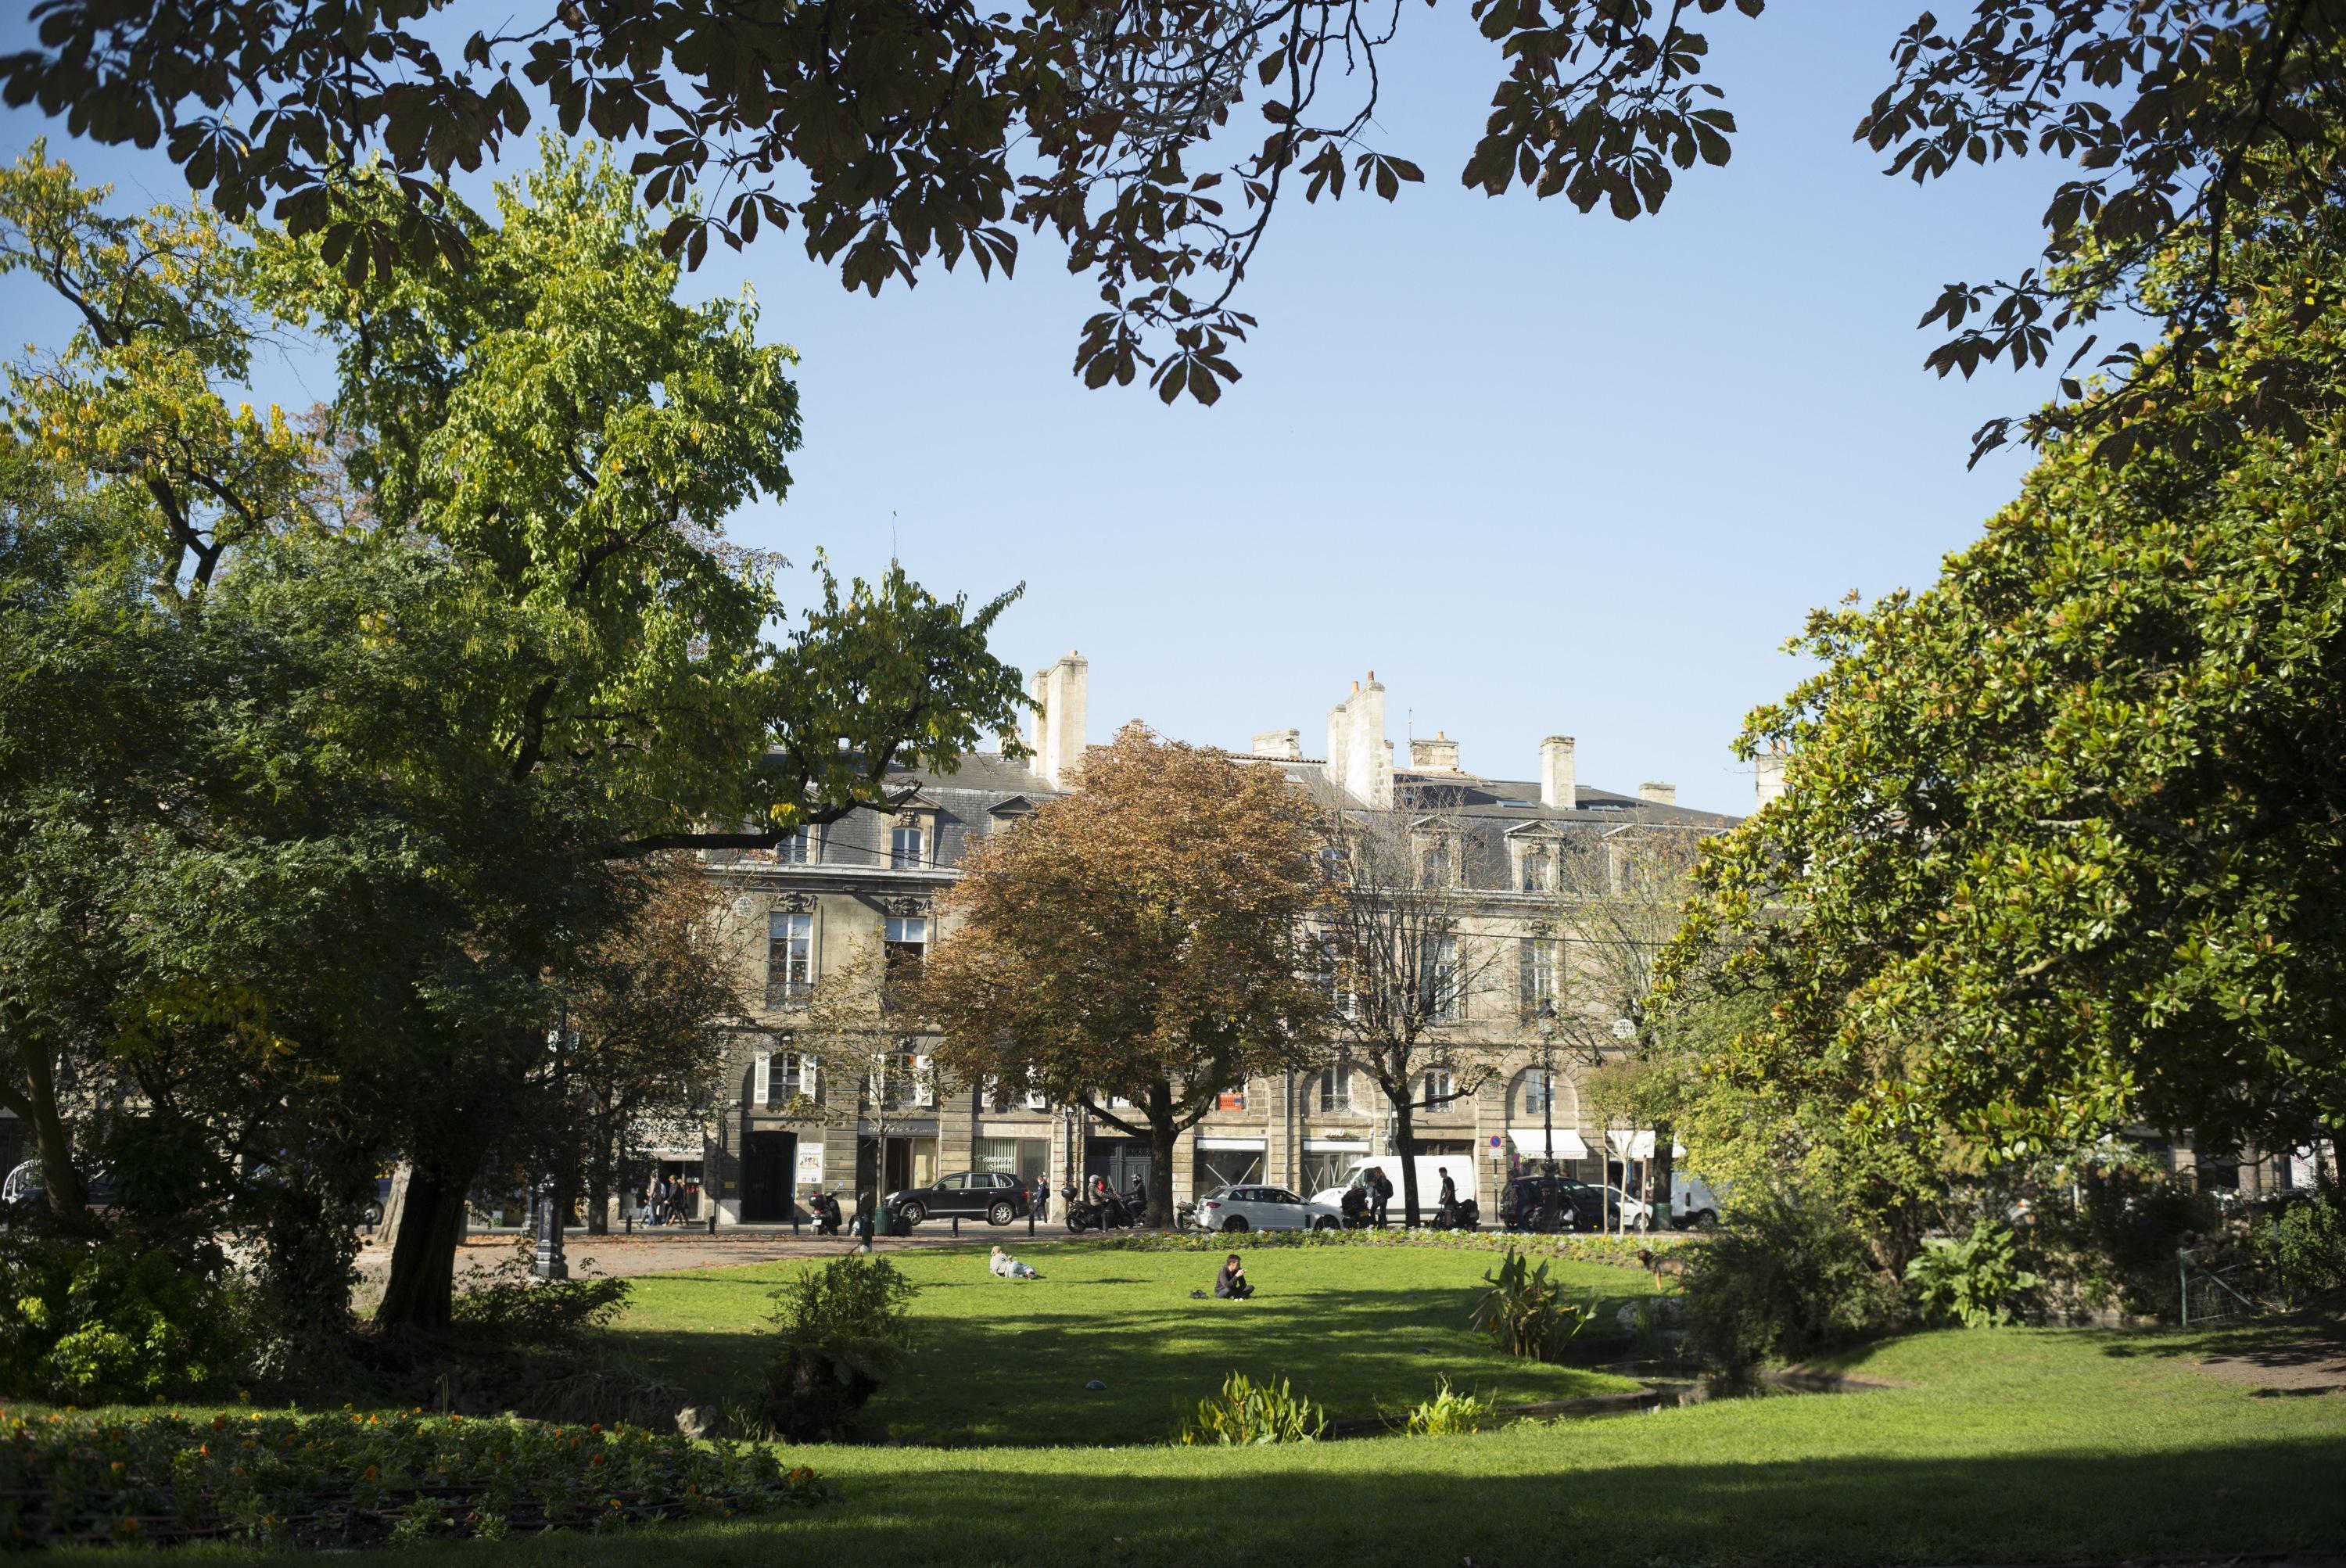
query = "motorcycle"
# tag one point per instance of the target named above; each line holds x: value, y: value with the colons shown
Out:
x: 827, y: 1216
x: 1114, y: 1213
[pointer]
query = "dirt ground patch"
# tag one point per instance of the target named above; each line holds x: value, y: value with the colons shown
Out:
x: 593, y: 1257
x: 2312, y: 1362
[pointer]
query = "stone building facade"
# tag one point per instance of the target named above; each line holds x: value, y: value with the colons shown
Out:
x: 788, y: 1122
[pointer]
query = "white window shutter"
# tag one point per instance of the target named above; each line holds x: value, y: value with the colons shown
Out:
x: 762, y: 1078
x: 806, y: 1076
x: 1035, y: 1099
x: 924, y: 1082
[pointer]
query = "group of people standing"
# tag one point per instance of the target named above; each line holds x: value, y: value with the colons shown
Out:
x: 667, y: 1200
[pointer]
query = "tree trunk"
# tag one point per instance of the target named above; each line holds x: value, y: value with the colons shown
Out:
x: 1658, y: 1172
x: 423, y: 1255
x: 1405, y: 1146
x: 1161, y: 1154
x: 598, y: 1181
x: 60, y: 1181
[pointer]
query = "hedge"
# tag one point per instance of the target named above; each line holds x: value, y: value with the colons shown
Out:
x: 355, y: 1479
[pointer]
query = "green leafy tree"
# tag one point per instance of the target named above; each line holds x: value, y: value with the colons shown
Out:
x: 423, y: 680
x: 896, y: 137
x: 2058, y: 850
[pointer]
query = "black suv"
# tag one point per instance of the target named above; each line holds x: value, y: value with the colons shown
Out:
x: 975, y: 1194
x: 1547, y: 1203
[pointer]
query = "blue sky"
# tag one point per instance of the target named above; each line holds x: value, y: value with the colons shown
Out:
x: 1543, y: 473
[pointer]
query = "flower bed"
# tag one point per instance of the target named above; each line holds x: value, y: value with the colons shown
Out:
x: 355, y: 1479
x: 1618, y: 1251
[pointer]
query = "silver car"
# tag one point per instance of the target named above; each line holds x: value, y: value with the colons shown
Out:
x: 1262, y: 1208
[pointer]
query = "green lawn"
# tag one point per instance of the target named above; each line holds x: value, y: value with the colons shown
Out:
x: 1356, y: 1331
x: 2007, y: 1447
x: 1997, y: 1446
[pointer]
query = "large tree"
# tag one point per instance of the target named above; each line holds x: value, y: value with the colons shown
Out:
x: 529, y: 654
x: 1137, y: 947
x: 2061, y: 840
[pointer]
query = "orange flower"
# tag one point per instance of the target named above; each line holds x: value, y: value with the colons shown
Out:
x: 371, y: 1471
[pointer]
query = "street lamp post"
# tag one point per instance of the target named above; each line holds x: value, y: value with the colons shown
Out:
x: 1546, y: 1021
x: 549, y: 1262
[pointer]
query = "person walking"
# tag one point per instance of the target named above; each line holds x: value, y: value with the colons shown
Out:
x: 1041, y: 1199
x: 1380, y: 1195
x: 1449, y: 1197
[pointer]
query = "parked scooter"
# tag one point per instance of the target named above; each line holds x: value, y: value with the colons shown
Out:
x: 1113, y: 1214
x: 825, y: 1209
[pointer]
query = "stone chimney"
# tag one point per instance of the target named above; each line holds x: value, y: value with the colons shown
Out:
x: 1359, y: 758
x: 1439, y: 755
x: 1059, y: 727
x: 1658, y: 794
x: 1767, y: 775
x: 1286, y: 744
x: 1557, y: 789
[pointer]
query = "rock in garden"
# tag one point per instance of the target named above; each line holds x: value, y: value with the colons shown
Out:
x: 1096, y: 1385
x: 696, y: 1421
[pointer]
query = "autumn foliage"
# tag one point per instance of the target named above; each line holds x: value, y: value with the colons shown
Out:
x: 1140, y: 940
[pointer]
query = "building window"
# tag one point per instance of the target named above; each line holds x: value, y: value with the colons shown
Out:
x: 797, y: 850
x: 1336, y: 1089
x: 906, y: 944
x: 1538, y: 870
x: 1027, y: 1159
x: 1539, y: 976
x: 1536, y: 1098
x: 790, y: 958
x: 907, y: 849
x: 1433, y: 869
x: 1439, y: 980
x: 1436, y: 1090
x: 903, y: 1077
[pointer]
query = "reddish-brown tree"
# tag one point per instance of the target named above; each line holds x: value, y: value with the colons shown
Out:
x: 1140, y: 940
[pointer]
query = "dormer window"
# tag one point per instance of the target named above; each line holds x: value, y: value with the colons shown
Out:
x: 908, y: 848
x: 797, y: 850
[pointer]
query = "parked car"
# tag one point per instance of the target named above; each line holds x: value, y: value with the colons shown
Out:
x: 25, y: 1189
x: 1545, y: 1203
x: 1264, y: 1208
x: 972, y: 1195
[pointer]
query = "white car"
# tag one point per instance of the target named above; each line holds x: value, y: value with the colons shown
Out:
x: 1262, y: 1208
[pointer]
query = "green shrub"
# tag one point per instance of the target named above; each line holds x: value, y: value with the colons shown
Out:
x: 1247, y: 1412
x: 351, y: 1480
x: 513, y: 1309
x: 1448, y: 1414
x: 844, y: 1329
x: 1525, y: 1313
x: 1785, y: 1275
x: 111, y: 1320
x: 2305, y: 1244
x: 1977, y: 1281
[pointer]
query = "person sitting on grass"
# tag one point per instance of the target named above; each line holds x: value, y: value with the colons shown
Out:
x: 1231, y: 1284
x: 1004, y: 1266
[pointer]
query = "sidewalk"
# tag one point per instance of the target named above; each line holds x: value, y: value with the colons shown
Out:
x: 658, y: 1250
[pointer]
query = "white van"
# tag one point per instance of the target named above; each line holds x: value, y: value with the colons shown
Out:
x: 1429, y: 1184
x: 1693, y: 1206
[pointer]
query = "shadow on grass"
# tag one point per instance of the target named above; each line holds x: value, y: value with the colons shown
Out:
x: 1437, y: 1502
x: 1021, y: 1379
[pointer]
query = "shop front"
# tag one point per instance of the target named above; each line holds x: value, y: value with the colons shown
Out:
x: 1228, y: 1161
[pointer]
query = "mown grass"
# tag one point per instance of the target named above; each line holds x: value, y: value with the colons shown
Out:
x: 1356, y: 1331
x: 1998, y: 1446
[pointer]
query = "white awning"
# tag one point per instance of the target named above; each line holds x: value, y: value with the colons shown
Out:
x: 1336, y: 1145
x: 1531, y: 1144
x: 1232, y: 1146
x: 1640, y: 1146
